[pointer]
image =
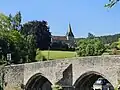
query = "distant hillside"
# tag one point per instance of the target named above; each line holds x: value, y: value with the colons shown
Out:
x: 107, y: 39
x: 77, y: 39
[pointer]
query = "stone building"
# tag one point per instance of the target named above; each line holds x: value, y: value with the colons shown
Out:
x: 68, y: 38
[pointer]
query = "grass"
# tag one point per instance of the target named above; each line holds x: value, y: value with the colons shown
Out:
x: 55, y: 54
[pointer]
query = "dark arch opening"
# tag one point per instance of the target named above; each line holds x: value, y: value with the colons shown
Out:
x: 38, y: 82
x: 93, y: 81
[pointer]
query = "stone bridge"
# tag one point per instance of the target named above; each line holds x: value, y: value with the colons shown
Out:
x: 72, y: 74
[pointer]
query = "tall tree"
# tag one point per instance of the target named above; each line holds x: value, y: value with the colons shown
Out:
x: 31, y: 48
x: 10, y: 18
x: 40, y: 31
x: 16, y: 21
x: 90, y: 36
x: 22, y: 49
x: 12, y: 42
x: 4, y: 22
x: 10, y: 22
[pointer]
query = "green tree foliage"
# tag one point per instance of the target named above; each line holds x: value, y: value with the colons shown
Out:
x: 107, y: 46
x: 90, y: 47
x: 107, y: 39
x: 22, y: 48
x: 4, y: 22
x: 40, y: 56
x: 90, y: 36
x: 56, y: 87
x: 31, y: 48
x: 118, y: 43
x: 90, y: 50
x: 40, y: 32
x: 15, y: 21
x: 99, y: 47
x: 111, y: 3
x: 12, y: 41
x: 10, y: 22
x: 114, y: 45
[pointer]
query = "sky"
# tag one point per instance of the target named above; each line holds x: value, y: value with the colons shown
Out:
x: 83, y: 15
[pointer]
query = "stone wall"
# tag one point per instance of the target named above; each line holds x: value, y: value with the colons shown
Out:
x: 106, y: 66
x: 64, y: 71
x: 14, y: 77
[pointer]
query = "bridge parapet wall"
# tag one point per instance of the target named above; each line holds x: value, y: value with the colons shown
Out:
x: 14, y: 77
x: 57, y: 70
x: 106, y: 66
x: 52, y: 70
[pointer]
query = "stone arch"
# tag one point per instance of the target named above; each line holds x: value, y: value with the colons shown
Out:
x: 38, y: 82
x: 86, y: 81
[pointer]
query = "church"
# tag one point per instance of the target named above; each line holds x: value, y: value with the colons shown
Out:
x: 68, y: 38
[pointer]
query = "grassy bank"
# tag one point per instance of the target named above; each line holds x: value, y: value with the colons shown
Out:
x: 55, y: 54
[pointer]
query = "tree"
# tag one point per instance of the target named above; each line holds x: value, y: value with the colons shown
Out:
x: 22, y: 48
x: 90, y: 47
x: 40, y: 32
x: 118, y: 43
x: 4, y: 22
x: 11, y: 41
x: 107, y: 39
x: 15, y: 21
x: 31, y: 48
x: 99, y: 47
x: 111, y: 3
x: 81, y: 47
x: 90, y: 36
x: 90, y: 50
x: 10, y: 22
x: 114, y: 45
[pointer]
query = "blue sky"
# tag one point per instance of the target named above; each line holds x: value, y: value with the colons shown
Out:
x: 84, y: 15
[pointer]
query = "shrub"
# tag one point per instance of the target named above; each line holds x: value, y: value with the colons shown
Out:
x: 90, y: 47
x: 39, y: 56
x: 114, y: 51
x: 56, y: 87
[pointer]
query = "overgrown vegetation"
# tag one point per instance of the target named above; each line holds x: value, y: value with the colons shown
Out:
x: 90, y: 47
x: 56, y: 87
x: 20, y: 40
x: 107, y: 39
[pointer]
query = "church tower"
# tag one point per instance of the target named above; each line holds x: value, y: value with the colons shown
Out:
x: 69, y: 34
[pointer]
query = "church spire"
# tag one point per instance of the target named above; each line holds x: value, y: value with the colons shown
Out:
x: 69, y: 32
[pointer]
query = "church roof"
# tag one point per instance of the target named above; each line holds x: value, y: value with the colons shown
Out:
x: 69, y: 32
x: 59, y: 38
